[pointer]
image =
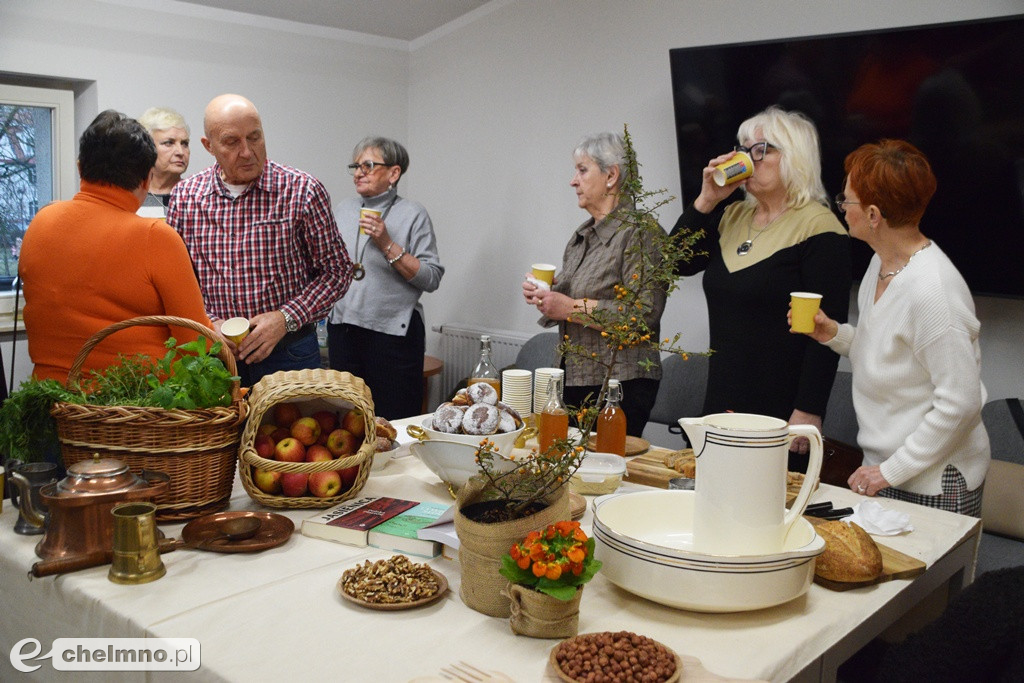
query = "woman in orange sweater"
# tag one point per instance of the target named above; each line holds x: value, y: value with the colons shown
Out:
x: 91, y: 262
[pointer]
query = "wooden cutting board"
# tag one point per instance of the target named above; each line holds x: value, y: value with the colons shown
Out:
x: 649, y: 468
x: 634, y: 446
x: 895, y: 565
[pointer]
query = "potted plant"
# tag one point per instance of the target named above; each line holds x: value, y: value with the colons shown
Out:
x: 495, y: 510
x: 546, y: 573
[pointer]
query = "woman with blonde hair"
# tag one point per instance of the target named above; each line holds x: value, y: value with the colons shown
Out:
x: 170, y: 133
x: 781, y: 237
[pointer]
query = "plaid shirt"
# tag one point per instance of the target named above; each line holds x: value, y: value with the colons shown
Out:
x: 274, y: 247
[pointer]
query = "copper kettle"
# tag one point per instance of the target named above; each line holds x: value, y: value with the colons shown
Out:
x: 79, y: 520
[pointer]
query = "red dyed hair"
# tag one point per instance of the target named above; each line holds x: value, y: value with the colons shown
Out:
x: 894, y: 176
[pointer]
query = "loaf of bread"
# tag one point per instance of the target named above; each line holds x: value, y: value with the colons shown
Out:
x: 851, y: 555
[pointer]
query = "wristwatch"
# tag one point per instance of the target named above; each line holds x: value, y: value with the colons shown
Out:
x: 290, y: 323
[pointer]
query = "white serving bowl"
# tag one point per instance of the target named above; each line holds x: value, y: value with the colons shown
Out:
x: 503, y: 443
x: 452, y: 461
x: 382, y: 458
x: 645, y: 540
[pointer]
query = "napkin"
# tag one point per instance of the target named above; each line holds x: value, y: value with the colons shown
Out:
x: 539, y: 284
x: 877, y: 520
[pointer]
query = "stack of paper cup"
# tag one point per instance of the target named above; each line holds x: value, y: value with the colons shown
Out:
x: 541, y: 377
x: 517, y: 390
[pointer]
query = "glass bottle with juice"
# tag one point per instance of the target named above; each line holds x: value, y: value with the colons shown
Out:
x: 611, y: 422
x: 553, y: 421
x: 485, y: 370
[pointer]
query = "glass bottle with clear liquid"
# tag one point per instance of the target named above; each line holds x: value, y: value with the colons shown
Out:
x: 485, y: 370
x: 553, y: 421
x: 611, y: 422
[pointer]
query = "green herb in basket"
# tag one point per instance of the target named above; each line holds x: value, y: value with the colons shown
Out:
x: 193, y: 381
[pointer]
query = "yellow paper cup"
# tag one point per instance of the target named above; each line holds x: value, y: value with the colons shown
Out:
x: 804, y: 306
x: 364, y: 212
x: 737, y: 168
x: 235, y: 329
x: 544, y: 272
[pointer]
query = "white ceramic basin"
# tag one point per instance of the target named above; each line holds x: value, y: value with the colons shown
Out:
x: 453, y: 462
x: 645, y: 540
x: 503, y: 443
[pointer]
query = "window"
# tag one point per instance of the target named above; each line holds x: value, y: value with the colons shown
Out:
x: 37, y: 151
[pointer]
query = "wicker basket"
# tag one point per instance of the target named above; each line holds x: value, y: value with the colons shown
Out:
x: 196, y: 448
x: 314, y: 389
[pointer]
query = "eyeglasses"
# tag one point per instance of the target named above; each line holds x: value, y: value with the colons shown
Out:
x: 367, y: 167
x: 756, y: 150
x: 841, y: 201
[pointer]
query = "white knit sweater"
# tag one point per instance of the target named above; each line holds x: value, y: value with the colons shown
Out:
x: 916, y: 366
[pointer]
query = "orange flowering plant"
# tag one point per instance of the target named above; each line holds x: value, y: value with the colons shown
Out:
x: 556, y: 561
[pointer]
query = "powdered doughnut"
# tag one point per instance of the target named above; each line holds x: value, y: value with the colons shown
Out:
x: 481, y: 419
x: 448, y: 418
x: 381, y: 444
x: 506, y: 408
x: 461, y: 398
x: 506, y: 422
x: 482, y: 392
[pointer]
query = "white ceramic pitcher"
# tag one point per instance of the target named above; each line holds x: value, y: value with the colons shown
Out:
x: 740, y: 495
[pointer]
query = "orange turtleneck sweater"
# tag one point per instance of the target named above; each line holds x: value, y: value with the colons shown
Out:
x: 91, y: 262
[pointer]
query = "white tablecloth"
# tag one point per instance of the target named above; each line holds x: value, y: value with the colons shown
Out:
x: 277, y: 615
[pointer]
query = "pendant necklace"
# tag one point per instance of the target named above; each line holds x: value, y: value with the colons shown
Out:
x: 746, y: 246
x: 358, y: 271
x: 899, y: 270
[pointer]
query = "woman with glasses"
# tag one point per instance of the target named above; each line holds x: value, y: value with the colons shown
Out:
x: 376, y: 330
x: 594, y: 263
x: 780, y: 237
x: 914, y: 353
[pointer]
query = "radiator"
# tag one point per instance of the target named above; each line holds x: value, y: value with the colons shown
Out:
x: 460, y: 350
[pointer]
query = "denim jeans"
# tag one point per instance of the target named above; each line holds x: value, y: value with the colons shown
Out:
x: 301, y: 354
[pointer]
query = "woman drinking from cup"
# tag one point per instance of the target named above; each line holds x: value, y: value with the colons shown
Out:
x: 594, y: 262
x: 780, y: 238
x: 376, y: 330
x: 916, y: 361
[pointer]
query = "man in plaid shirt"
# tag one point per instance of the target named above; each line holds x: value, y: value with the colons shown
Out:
x: 263, y: 240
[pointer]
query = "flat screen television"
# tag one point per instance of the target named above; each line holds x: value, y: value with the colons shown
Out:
x: 953, y: 90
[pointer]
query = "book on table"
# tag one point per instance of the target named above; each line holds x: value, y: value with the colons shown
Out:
x: 400, y: 533
x: 350, y: 521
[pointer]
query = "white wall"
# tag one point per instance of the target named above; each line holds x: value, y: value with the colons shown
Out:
x: 497, y: 106
x: 489, y: 108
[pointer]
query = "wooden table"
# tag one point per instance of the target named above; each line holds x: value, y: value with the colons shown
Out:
x: 431, y: 366
x: 276, y: 615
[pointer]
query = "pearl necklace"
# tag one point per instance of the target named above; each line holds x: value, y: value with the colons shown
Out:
x: 746, y: 246
x: 892, y: 273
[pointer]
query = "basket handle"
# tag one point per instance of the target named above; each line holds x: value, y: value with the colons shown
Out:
x: 225, y: 355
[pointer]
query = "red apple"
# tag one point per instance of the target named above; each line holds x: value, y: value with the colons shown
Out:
x: 328, y: 420
x: 290, y: 450
x: 285, y: 414
x: 322, y: 440
x: 267, y: 481
x: 264, y: 446
x: 316, y: 452
x: 353, y: 422
x: 348, y: 477
x: 342, y: 442
x: 280, y: 434
x: 306, y: 430
x: 325, y: 484
x: 266, y: 428
x: 294, y: 484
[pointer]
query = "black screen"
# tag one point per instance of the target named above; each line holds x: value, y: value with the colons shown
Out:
x: 956, y: 91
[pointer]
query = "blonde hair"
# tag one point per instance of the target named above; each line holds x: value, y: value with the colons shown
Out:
x: 796, y: 137
x: 162, y: 118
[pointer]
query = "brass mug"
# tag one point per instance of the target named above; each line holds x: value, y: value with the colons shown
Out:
x: 136, y: 556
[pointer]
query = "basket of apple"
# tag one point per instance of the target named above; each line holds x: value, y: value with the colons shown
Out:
x: 310, y: 439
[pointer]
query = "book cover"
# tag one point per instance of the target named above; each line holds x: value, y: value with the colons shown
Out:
x: 400, y: 532
x: 350, y: 521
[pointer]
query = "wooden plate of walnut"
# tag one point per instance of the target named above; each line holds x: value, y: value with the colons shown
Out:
x: 383, y: 585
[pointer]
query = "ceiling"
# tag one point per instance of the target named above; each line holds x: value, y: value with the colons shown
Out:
x: 399, y: 19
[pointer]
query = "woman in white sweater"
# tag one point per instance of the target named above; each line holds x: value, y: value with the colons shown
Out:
x: 916, y: 362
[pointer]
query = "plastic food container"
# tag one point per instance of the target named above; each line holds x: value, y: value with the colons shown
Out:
x: 600, y: 473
